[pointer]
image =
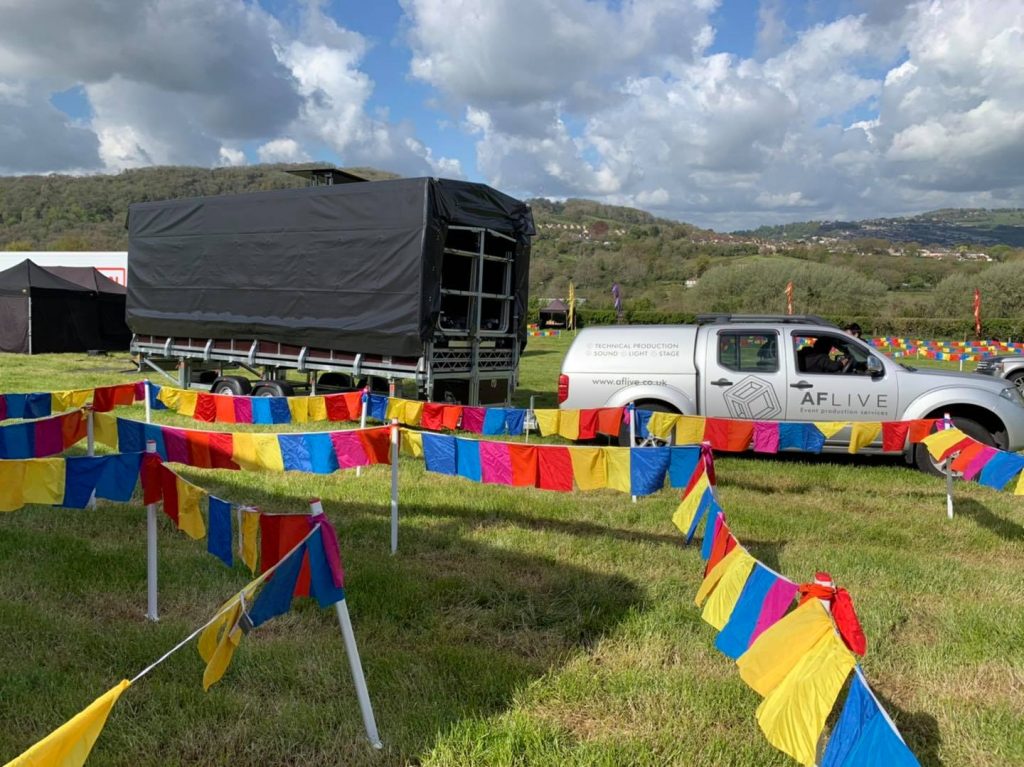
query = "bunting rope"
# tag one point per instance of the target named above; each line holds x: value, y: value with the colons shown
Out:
x: 798, y: 660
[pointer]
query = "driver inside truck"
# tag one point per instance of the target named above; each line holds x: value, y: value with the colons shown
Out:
x: 817, y: 358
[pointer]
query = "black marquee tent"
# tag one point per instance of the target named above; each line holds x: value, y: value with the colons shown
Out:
x: 60, y: 309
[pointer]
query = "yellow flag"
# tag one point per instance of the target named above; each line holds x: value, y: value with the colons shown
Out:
x: 12, y: 480
x: 69, y: 745
x: 941, y: 441
x: 396, y: 409
x: 684, y: 513
x: 413, y: 412
x: 219, y: 640
x: 569, y: 424
x: 317, y: 408
x: 43, y: 481
x: 299, y: 409
x: 781, y: 646
x: 105, y: 429
x: 268, y: 452
x: 793, y: 715
x: 617, y: 465
x: 723, y: 599
x: 243, y: 450
x: 1020, y: 485
x: 412, y: 443
x: 863, y: 434
x: 690, y: 430
x: 190, y: 515
x: 589, y: 467
x: 831, y: 428
x: 547, y: 421
x: 714, y: 576
x: 69, y: 400
x: 662, y: 425
x: 248, y: 534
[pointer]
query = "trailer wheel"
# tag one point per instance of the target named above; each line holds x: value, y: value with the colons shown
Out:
x: 273, y: 389
x: 341, y: 381
x: 232, y: 386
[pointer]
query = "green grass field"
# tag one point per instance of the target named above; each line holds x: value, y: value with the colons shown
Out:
x: 514, y: 626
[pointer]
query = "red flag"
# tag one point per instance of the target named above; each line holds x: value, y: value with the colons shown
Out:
x: 977, y: 313
x: 789, y: 297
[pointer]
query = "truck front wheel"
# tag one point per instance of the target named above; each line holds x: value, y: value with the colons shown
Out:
x: 972, y: 429
x: 654, y: 407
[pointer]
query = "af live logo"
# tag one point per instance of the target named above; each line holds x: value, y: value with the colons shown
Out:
x: 831, y: 399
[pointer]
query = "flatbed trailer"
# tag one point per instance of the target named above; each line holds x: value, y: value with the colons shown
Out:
x: 456, y: 335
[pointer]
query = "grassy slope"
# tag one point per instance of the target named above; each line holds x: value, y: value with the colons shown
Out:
x: 514, y: 626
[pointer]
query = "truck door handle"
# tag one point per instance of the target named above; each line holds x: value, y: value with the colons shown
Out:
x: 802, y: 385
x: 722, y: 382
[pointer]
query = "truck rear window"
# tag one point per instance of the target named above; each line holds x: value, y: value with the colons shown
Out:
x: 748, y: 352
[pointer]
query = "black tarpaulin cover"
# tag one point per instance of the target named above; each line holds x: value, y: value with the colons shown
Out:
x: 60, y: 314
x: 354, y: 267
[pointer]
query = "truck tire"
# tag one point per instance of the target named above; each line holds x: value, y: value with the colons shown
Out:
x: 232, y: 386
x: 1017, y: 379
x: 654, y: 407
x: 273, y: 389
x: 973, y: 429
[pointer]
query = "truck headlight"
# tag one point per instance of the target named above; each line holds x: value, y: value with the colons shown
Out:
x: 1013, y: 394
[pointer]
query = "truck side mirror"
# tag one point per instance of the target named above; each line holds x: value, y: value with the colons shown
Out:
x: 875, y: 367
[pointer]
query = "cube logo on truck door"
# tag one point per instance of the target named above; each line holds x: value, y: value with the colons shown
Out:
x: 753, y: 399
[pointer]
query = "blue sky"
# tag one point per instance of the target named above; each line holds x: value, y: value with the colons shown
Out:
x: 726, y: 114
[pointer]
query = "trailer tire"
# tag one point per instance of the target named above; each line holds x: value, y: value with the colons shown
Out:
x: 339, y: 381
x: 273, y: 389
x: 232, y: 386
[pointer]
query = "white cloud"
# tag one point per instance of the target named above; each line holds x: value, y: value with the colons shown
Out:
x: 231, y: 156
x: 902, y: 107
x: 282, y: 150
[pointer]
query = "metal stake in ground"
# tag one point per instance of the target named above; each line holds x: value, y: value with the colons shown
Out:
x: 151, y: 610
x: 90, y: 444
x: 631, y: 409
x: 365, y: 399
x: 394, y: 485
x: 949, y: 471
x: 352, y: 652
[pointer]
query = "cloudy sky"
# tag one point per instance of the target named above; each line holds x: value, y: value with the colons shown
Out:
x: 724, y: 113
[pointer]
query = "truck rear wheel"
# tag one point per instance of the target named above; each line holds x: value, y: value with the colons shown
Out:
x: 273, y: 389
x: 972, y: 429
x: 232, y: 386
x: 654, y: 407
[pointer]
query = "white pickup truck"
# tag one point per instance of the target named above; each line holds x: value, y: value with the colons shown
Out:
x: 779, y: 368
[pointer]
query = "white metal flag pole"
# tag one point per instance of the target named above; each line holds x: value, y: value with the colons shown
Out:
x: 149, y: 408
x: 362, y: 420
x: 632, y: 429
x: 90, y: 444
x: 949, y: 473
x: 394, y: 485
x: 151, y: 608
x: 352, y: 652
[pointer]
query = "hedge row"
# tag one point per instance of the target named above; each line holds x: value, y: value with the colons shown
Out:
x: 1002, y: 328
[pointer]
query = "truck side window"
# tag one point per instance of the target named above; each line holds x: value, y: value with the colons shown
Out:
x: 748, y: 352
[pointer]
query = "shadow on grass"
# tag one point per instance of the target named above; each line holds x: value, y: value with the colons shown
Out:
x: 920, y: 731
x: 451, y: 627
x: 574, y: 527
x: 1004, y: 528
x: 818, y: 459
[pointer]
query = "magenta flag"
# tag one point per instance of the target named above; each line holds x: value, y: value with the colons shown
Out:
x: 495, y: 463
x: 176, y: 444
x: 473, y: 420
x: 349, y: 449
x: 766, y: 437
x: 243, y: 410
x: 776, y: 603
x: 49, y: 437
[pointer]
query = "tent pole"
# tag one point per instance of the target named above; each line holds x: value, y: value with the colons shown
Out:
x: 30, y: 324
